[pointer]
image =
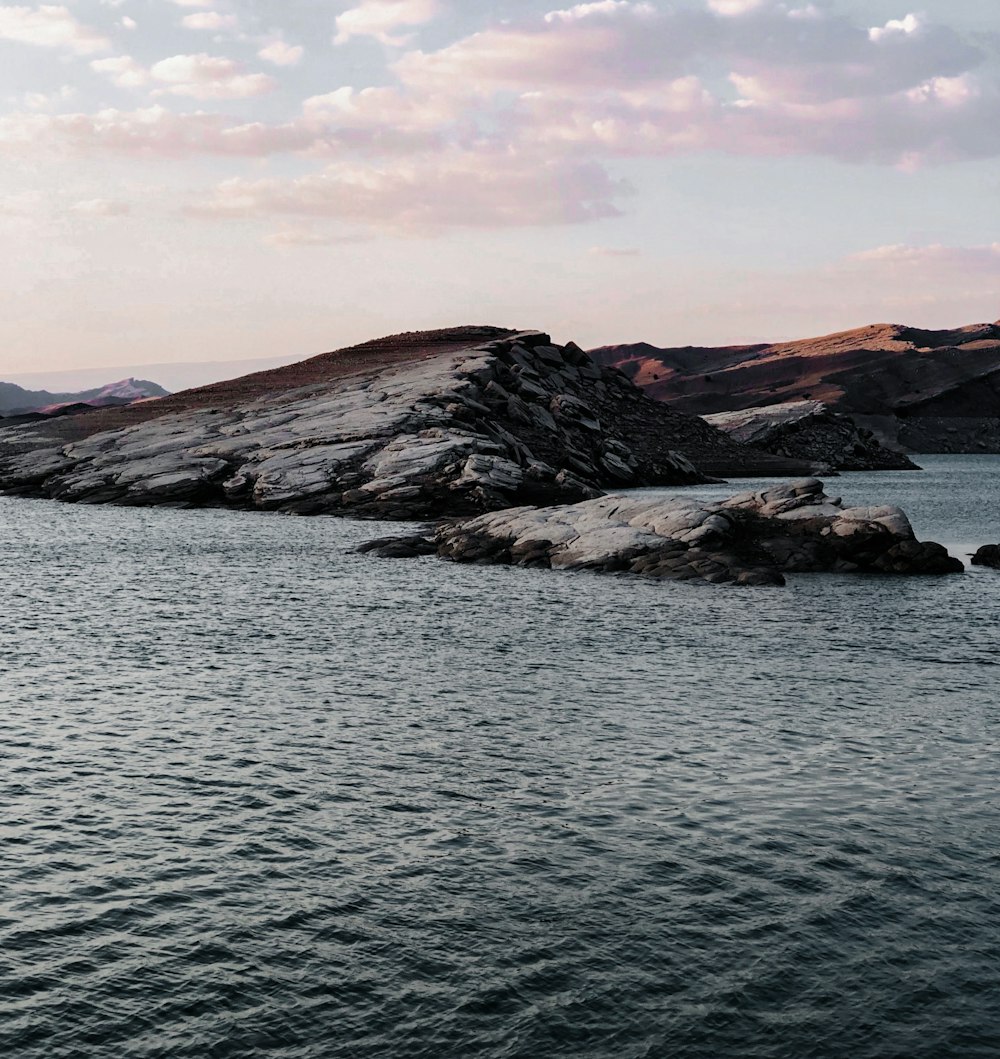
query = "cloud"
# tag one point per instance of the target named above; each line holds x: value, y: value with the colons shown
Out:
x: 50, y: 26
x: 101, y: 208
x: 382, y: 19
x: 895, y: 28
x: 209, y: 77
x: 432, y: 193
x: 210, y: 20
x: 123, y: 70
x: 936, y: 257
x: 49, y: 100
x: 281, y: 54
x: 732, y: 8
x: 614, y: 251
x: 306, y: 237
x: 153, y: 132
x: 620, y: 78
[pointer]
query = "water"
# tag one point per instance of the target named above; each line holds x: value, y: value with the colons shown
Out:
x: 260, y: 796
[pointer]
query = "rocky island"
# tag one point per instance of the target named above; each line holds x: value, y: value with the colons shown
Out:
x: 416, y: 426
x: 749, y: 539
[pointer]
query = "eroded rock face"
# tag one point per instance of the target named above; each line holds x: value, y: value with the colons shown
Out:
x: 749, y: 539
x: 512, y: 421
x: 808, y: 430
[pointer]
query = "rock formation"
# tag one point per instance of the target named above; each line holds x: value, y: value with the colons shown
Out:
x: 927, y: 391
x: 809, y: 430
x: 750, y: 539
x: 988, y: 555
x: 444, y: 423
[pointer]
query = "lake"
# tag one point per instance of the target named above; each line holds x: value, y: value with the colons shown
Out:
x: 262, y: 796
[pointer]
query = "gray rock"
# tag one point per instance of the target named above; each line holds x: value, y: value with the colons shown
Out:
x: 511, y: 421
x: 752, y: 539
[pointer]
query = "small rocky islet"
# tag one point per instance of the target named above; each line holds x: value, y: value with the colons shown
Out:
x: 505, y: 438
x: 750, y: 539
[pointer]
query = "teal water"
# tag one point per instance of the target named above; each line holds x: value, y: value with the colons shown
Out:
x: 264, y: 797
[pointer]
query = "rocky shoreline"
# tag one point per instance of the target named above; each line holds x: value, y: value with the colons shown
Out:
x: 472, y: 427
x: 751, y: 539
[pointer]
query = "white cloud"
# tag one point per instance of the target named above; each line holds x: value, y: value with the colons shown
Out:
x: 599, y: 8
x: 281, y: 54
x: 50, y: 26
x: 730, y: 8
x: 152, y: 132
x: 49, y: 100
x: 209, y: 77
x: 128, y: 23
x: 896, y: 28
x: 123, y: 70
x: 382, y: 19
x: 209, y: 20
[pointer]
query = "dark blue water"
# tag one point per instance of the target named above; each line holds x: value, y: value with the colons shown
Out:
x: 260, y: 796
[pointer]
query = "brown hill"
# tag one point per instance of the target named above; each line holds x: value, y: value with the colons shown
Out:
x: 910, y: 382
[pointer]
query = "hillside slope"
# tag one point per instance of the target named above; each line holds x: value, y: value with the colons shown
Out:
x: 928, y: 390
x: 411, y: 426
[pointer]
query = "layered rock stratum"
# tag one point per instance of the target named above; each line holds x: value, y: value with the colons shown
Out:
x: 922, y: 390
x: 414, y: 426
x: 754, y: 538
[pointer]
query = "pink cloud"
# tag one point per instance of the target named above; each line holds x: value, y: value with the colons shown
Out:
x: 281, y: 54
x: 454, y: 190
x: 936, y: 257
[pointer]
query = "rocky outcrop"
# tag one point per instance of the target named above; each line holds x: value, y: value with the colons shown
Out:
x: 809, y: 430
x: 988, y: 555
x: 750, y: 539
x: 511, y: 420
x: 929, y: 391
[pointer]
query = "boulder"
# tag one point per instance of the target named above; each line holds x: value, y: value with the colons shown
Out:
x: 988, y: 555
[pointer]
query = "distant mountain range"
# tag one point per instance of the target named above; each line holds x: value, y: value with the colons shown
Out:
x: 928, y: 391
x: 17, y: 401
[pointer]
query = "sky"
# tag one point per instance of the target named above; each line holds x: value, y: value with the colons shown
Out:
x: 221, y: 180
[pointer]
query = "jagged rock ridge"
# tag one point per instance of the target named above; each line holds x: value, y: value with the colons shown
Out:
x: 458, y: 426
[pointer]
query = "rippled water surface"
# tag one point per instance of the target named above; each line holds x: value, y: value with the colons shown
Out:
x: 264, y: 797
